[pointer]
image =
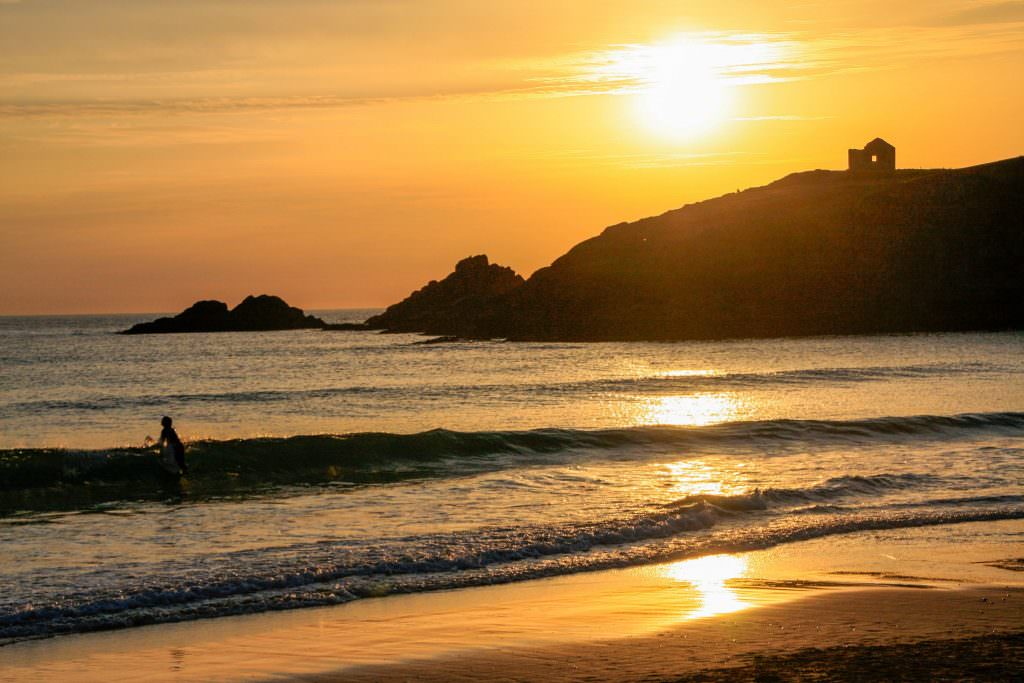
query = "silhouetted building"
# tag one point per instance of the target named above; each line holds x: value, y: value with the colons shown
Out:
x: 877, y: 155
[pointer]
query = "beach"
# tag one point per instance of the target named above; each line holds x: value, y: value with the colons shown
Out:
x: 899, y: 606
x: 791, y: 640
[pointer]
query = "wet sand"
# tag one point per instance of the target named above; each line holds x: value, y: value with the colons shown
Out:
x: 993, y: 657
x: 869, y: 634
x: 859, y: 607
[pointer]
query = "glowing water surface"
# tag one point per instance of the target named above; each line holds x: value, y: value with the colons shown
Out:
x: 593, y: 456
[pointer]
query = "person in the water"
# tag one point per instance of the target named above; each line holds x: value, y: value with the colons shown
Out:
x: 169, y: 437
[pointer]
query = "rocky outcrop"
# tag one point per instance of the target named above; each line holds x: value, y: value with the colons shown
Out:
x: 460, y: 301
x: 347, y: 327
x: 820, y: 252
x: 255, y: 313
x: 266, y: 312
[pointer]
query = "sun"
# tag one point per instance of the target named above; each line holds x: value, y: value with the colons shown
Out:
x: 684, y: 92
x: 685, y: 86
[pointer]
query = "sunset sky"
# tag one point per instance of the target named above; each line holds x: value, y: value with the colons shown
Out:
x: 342, y: 153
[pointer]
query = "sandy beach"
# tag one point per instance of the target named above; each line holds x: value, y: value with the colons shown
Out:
x: 858, y: 634
x: 856, y: 607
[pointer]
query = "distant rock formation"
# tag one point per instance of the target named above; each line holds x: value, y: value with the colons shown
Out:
x: 815, y: 253
x: 255, y: 313
x: 346, y: 327
x: 457, y: 302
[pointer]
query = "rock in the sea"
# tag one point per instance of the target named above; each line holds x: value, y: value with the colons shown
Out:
x: 266, y: 312
x: 255, y: 313
x: 346, y: 327
x: 203, y: 315
x: 455, y: 303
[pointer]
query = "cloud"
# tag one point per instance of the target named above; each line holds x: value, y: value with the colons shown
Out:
x: 782, y: 117
x: 994, y: 13
x: 736, y: 59
x: 259, y: 86
x: 212, y: 105
x: 591, y: 157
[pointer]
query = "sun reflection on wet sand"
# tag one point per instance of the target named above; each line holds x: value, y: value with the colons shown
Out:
x: 708, y: 576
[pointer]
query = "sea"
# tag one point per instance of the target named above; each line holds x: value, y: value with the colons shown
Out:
x: 328, y: 467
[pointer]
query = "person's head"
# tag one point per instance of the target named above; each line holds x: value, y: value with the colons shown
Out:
x: 165, y: 421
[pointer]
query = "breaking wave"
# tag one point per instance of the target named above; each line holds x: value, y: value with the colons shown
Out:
x: 239, y: 465
x: 330, y: 572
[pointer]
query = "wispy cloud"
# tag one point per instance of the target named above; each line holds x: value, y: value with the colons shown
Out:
x: 990, y: 13
x: 782, y: 117
x: 735, y: 59
x: 656, y: 160
x: 212, y: 105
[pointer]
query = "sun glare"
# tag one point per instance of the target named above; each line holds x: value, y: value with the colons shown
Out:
x: 694, y: 410
x: 709, y: 576
x: 694, y: 477
x: 685, y: 94
x: 686, y: 86
x: 689, y: 373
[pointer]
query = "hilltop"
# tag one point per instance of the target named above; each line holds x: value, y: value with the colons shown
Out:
x: 818, y: 252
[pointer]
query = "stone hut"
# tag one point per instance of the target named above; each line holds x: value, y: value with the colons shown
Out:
x: 877, y: 155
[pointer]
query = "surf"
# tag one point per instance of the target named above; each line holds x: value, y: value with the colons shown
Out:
x: 331, y: 573
x: 29, y: 477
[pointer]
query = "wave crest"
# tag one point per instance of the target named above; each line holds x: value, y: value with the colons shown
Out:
x: 367, y: 458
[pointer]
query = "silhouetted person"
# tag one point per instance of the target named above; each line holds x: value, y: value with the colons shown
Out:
x: 169, y: 437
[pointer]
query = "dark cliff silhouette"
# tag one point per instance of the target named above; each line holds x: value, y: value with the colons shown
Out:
x: 455, y: 302
x: 255, y: 313
x: 818, y: 252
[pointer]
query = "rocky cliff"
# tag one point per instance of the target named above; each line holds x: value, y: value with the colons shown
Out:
x: 820, y: 252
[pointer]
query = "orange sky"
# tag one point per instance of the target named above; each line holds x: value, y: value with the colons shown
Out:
x: 340, y: 153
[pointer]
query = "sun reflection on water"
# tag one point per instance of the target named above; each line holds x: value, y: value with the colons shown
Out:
x: 695, y: 477
x: 694, y: 410
x: 703, y: 372
x: 708, y: 575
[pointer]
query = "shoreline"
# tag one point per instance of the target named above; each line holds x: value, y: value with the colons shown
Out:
x: 657, y: 622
